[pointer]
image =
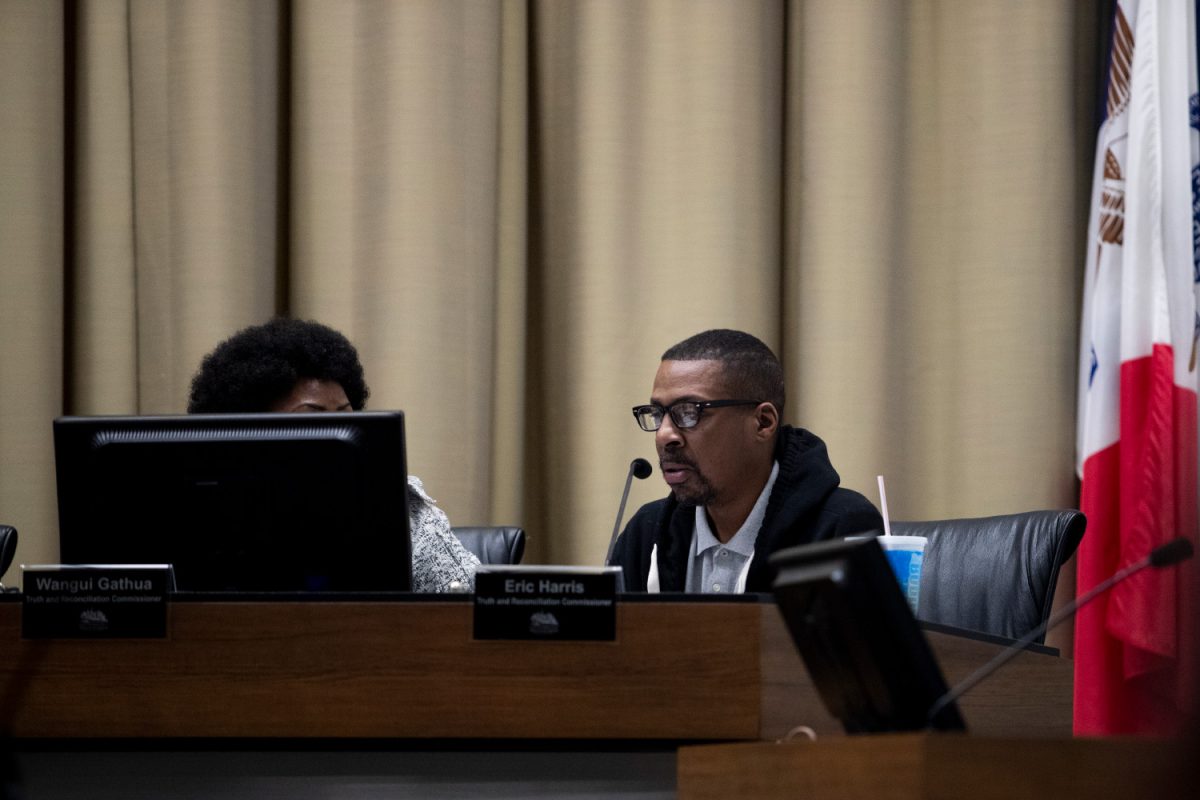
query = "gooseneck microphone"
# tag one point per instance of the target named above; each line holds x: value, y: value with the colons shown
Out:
x: 1164, y: 555
x: 638, y: 468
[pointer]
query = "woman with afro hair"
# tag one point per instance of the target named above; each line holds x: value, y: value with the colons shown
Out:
x: 293, y: 365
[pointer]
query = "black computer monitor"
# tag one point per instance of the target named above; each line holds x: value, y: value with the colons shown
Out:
x: 240, y: 502
x: 859, y: 640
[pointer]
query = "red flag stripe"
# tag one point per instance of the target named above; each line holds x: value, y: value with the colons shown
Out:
x: 1132, y: 650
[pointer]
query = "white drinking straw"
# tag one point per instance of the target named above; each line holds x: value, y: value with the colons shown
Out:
x: 887, y: 526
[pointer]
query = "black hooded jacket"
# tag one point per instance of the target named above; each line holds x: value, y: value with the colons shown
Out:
x: 806, y: 505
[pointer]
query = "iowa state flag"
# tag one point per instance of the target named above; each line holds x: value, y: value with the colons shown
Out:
x: 1137, y: 438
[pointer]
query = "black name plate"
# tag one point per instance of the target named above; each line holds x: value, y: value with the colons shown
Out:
x: 529, y: 602
x: 120, y: 601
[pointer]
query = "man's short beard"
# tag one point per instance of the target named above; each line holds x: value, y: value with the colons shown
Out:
x: 702, y: 495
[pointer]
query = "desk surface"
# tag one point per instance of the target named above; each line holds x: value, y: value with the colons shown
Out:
x: 920, y: 766
x: 397, y: 670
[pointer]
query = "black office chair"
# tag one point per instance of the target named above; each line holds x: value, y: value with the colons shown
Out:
x: 8, y: 548
x: 994, y: 574
x: 493, y: 545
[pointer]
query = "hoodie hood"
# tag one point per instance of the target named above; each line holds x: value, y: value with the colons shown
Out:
x: 806, y: 480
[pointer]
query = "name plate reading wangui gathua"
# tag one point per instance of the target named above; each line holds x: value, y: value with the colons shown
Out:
x: 532, y: 602
x: 95, y: 601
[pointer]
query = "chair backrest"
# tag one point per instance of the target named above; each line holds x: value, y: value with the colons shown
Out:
x: 994, y: 574
x: 8, y: 547
x: 493, y: 545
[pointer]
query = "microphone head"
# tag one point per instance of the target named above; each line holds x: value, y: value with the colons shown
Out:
x: 1172, y: 552
x: 641, y: 468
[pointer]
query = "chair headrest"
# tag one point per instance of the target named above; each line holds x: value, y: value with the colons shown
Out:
x: 493, y: 544
x: 994, y: 574
x: 8, y: 547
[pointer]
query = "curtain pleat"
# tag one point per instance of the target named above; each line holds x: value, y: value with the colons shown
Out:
x: 933, y: 287
x: 397, y: 135
x: 659, y: 148
x: 204, y: 100
x: 101, y: 375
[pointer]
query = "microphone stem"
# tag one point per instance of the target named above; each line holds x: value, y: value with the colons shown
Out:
x: 1010, y: 652
x: 612, y: 542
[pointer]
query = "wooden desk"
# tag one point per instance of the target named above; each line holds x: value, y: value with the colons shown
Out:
x: 410, y: 670
x: 390, y: 698
x: 947, y: 766
x: 406, y: 670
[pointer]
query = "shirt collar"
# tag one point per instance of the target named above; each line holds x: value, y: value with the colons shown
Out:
x: 743, y: 541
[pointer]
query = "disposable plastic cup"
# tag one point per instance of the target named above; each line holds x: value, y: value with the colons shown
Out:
x: 906, y: 555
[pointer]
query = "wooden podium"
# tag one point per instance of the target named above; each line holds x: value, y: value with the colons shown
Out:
x: 920, y: 766
x: 397, y: 669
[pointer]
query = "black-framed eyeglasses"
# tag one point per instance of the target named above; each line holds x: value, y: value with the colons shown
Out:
x: 685, y: 414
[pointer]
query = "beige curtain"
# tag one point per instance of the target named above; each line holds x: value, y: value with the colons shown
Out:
x: 514, y: 207
x: 31, y: 268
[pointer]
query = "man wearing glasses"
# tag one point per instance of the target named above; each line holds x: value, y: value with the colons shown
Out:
x: 742, y: 484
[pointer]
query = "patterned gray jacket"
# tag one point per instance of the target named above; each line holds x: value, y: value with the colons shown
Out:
x: 439, y: 561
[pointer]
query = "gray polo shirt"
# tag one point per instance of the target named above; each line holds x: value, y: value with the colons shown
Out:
x: 715, y: 567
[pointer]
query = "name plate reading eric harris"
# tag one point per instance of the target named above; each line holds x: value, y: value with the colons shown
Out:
x: 95, y: 601
x: 532, y: 602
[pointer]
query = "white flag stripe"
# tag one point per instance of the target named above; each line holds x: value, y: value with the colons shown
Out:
x: 1158, y: 298
x: 1098, y: 419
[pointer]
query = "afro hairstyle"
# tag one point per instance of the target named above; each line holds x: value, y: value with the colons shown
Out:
x: 259, y: 365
